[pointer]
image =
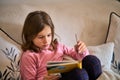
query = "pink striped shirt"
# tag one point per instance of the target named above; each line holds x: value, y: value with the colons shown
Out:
x: 33, y: 65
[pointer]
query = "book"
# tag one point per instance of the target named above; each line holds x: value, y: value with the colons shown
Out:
x: 62, y: 66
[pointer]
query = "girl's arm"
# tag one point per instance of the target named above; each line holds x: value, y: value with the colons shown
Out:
x: 27, y: 67
x: 78, y: 52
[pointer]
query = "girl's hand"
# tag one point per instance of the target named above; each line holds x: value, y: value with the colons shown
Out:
x: 52, y: 77
x: 80, y: 47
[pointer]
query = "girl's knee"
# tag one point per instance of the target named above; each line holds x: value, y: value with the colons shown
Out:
x: 91, y: 59
x: 93, y: 66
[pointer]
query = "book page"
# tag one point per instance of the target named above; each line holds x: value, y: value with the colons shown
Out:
x: 62, y: 66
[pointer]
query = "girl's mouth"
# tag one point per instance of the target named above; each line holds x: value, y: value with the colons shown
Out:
x: 46, y: 46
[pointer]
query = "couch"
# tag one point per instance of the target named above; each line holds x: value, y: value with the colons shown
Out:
x: 98, y: 28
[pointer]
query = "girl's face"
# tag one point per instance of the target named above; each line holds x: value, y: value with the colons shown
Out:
x: 43, y: 38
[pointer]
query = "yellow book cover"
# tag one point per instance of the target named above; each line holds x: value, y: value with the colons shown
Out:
x: 62, y: 66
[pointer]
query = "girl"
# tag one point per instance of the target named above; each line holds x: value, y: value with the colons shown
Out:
x: 39, y: 47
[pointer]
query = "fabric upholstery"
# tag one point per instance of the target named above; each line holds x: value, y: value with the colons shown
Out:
x: 113, y: 35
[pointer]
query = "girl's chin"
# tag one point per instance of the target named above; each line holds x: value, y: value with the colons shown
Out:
x: 45, y: 47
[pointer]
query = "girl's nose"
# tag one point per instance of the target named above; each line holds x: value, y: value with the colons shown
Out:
x: 45, y: 40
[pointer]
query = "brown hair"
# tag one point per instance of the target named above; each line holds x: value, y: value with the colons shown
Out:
x: 34, y: 23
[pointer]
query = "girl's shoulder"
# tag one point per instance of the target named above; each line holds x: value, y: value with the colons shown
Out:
x: 58, y: 43
x: 29, y: 54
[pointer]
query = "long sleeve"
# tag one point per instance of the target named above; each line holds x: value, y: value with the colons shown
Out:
x: 71, y: 52
x: 30, y: 66
x: 33, y: 65
x: 27, y: 67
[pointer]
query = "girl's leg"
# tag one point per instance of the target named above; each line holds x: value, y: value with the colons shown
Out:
x: 93, y: 66
x: 75, y: 74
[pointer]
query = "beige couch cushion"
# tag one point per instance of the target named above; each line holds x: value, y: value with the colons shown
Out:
x: 114, y: 36
x: 88, y: 19
x: 104, y: 52
x: 9, y: 58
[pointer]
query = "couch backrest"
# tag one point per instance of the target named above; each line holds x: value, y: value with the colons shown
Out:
x: 88, y: 19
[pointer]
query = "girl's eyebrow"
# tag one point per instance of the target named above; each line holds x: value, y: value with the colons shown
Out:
x: 44, y: 35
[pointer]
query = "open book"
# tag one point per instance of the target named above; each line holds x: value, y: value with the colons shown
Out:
x: 62, y: 66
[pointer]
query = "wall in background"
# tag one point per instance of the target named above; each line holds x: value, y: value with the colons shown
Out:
x: 89, y: 19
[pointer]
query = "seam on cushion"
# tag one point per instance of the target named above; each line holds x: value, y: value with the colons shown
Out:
x: 9, y: 36
x: 110, y: 17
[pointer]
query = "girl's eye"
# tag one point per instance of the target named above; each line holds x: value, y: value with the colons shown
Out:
x: 49, y: 35
x: 41, y: 37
